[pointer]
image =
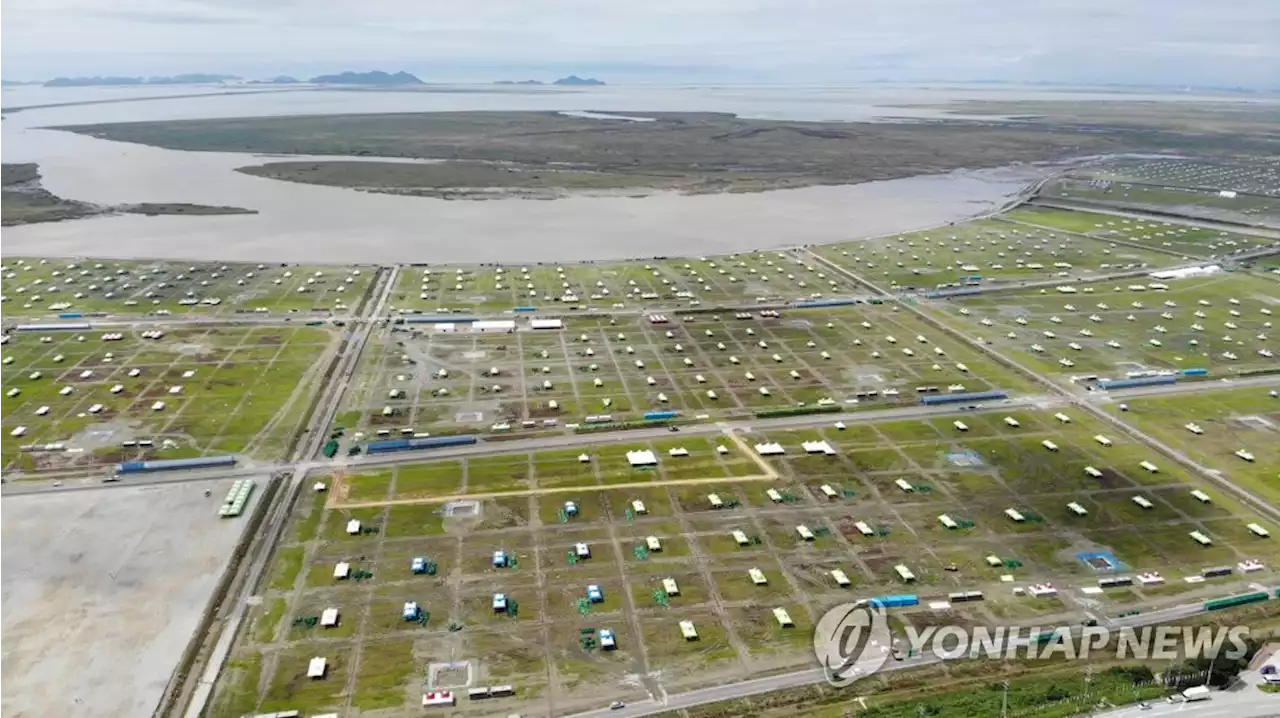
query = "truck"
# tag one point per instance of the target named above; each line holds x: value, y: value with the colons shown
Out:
x: 1196, y: 693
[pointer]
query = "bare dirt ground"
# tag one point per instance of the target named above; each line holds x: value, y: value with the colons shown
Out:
x: 101, y: 591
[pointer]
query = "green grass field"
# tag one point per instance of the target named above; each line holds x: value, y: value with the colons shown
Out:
x: 997, y: 462
x: 192, y: 392
x: 44, y: 288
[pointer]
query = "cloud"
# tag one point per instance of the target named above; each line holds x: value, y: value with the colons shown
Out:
x: 1173, y: 41
x: 166, y: 18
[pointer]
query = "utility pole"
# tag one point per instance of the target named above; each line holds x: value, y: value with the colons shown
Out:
x: 1004, y: 702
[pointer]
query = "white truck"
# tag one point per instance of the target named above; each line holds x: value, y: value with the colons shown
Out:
x: 1196, y: 693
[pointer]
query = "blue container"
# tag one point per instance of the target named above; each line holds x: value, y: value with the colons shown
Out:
x: 440, y: 319
x: 660, y: 415
x: 381, y: 447
x: 899, y: 601
x: 434, y: 442
x: 137, y: 467
x: 823, y: 303
x: 1195, y: 372
x: 943, y: 293
x: 525, y: 309
x: 70, y: 315
x: 936, y: 399
x: 1137, y: 381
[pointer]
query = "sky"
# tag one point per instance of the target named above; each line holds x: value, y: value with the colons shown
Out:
x: 1165, y: 42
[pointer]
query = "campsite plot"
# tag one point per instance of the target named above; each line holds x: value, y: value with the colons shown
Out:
x: 468, y: 378
x: 46, y: 288
x: 575, y: 555
x: 84, y: 399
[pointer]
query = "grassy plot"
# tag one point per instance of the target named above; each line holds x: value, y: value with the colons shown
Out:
x: 1231, y: 420
x: 191, y: 392
x: 1216, y: 322
x: 45, y: 287
x: 715, y: 366
x: 984, y: 253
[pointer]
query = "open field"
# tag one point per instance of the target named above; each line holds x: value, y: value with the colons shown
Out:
x: 642, y: 284
x: 47, y: 287
x: 102, y: 590
x: 1220, y: 322
x: 1260, y: 176
x: 1232, y: 420
x: 984, y: 253
x: 713, y: 364
x: 1242, y: 190
x: 192, y: 392
x: 693, y: 152
x: 1192, y: 242
x: 377, y: 658
x: 1206, y: 204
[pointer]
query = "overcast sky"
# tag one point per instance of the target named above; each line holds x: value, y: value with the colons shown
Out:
x: 1195, y: 42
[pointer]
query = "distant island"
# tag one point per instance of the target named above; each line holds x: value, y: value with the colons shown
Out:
x: 570, y: 80
x: 377, y: 77
x: 187, y: 79
x: 575, y: 80
x: 277, y: 80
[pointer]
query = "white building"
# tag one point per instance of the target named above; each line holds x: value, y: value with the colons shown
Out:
x: 494, y: 325
x: 317, y: 667
x: 818, y: 447
x: 642, y: 458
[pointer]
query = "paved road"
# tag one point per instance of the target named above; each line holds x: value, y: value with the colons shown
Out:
x: 811, y: 676
x: 1189, y: 388
x: 1245, y: 701
x: 272, y: 527
x: 635, y: 435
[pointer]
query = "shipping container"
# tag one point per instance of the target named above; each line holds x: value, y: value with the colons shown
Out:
x: 435, y: 442
x: 809, y: 303
x: 1140, y: 381
x: 962, y: 398
x: 83, y: 327
x: 898, y: 601
x: 440, y: 319
x: 1233, y: 601
x: 136, y: 467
